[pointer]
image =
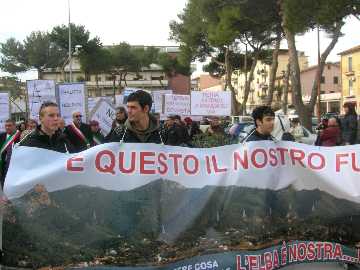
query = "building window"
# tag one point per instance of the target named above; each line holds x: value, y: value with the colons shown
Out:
x: 350, y: 69
x: 336, y: 80
x: 351, y: 93
x: 322, y: 79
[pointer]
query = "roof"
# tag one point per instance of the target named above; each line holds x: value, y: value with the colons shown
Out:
x: 352, y: 50
x: 337, y: 64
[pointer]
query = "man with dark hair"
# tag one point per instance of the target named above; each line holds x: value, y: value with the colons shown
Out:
x: 79, y: 133
x: 7, y: 141
x: 47, y: 135
x: 264, y: 118
x: 140, y: 127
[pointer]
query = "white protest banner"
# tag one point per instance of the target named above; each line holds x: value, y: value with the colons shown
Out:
x: 158, y: 99
x: 260, y: 205
x: 39, y: 91
x: 4, y: 109
x: 177, y: 104
x: 72, y: 97
x: 92, y: 101
x: 211, y: 103
x: 104, y: 113
x: 119, y: 100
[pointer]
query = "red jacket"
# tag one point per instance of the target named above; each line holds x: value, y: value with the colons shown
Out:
x: 330, y: 136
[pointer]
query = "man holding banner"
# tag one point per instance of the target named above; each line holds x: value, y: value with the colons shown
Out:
x: 79, y: 133
x: 47, y: 135
x: 7, y: 140
x: 140, y: 127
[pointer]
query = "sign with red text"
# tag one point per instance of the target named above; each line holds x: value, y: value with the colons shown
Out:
x: 211, y: 103
x: 176, y: 104
x: 260, y: 205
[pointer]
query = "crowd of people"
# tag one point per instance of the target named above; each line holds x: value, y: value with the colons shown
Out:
x: 137, y: 125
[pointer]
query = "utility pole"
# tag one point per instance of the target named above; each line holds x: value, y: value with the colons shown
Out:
x: 70, y: 57
x: 319, y: 81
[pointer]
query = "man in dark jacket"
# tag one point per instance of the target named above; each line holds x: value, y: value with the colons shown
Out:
x: 264, y: 118
x: 79, y: 133
x: 349, y: 125
x: 7, y: 141
x: 172, y: 132
x: 98, y: 137
x: 47, y: 135
x: 140, y: 127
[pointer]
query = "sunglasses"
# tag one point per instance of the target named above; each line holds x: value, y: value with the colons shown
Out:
x: 77, y: 116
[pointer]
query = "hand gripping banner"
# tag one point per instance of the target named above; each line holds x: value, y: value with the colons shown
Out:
x: 262, y: 205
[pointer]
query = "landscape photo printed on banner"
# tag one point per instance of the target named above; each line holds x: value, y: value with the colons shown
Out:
x: 255, y: 206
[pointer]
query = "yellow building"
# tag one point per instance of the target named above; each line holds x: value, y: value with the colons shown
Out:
x: 350, y: 73
x: 260, y: 84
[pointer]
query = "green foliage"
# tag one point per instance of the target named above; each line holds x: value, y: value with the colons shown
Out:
x: 172, y: 65
x: 206, y: 140
x: 13, y: 59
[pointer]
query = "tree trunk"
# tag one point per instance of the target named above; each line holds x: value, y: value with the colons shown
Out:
x: 302, y: 110
x: 248, y: 82
x: 273, y: 70
x: 320, y: 68
x: 228, y: 74
x: 286, y: 89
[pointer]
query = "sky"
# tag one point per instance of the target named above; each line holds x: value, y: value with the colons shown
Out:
x: 136, y: 22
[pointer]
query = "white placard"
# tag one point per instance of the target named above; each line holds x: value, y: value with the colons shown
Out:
x: 104, y: 113
x: 39, y: 91
x: 177, y: 104
x: 211, y: 103
x: 4, y: 109
x: 92, y: 101
x: 119, y: 100
x: 158, y: 99
x: 71, y: 99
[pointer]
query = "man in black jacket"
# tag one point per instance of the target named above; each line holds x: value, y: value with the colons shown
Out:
x: 140, y: 127
x: 79, y: 133
x: 264, y: 118
x: 48, y: 135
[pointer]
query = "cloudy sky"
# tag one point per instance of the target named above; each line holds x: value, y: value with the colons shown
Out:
x: 136, y: 22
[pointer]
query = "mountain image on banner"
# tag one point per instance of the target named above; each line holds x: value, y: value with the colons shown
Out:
x: 163, y: 222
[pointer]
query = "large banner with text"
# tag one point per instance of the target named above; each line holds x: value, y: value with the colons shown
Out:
x: 261, y: 205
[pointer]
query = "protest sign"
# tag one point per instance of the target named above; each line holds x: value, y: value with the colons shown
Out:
x: 176, y: 104
x: 158, y: 100
x: 92, y: 101
x: 119, y: 100
x: 104, y: 113
x: 211, y: 103
x: 262, y: 205
x: 39, y: 91
x: 72, y: 98
x: 4, y: 109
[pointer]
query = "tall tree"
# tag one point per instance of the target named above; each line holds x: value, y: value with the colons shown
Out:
x: 299, y: 16
x: 37, y: 51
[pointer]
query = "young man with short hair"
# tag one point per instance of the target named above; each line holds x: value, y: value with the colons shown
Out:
x: 264, y: 118
x: 140, y: 127
x: 47, y: 135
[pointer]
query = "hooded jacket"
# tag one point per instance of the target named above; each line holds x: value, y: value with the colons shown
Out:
x: 129, y: 134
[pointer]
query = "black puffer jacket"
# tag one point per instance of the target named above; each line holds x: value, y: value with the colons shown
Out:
x: 349, y: 127
x: 58, y: 142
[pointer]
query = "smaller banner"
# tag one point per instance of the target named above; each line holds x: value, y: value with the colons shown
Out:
x: 104, y: 113
x: 119, y: 100
x: 177, y: 104
x: 211, y: 103
x: 71, y: 99
x: 92, y: 101
x: 158, y: 99
x: 39, y: 91
x: 4, y: 109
